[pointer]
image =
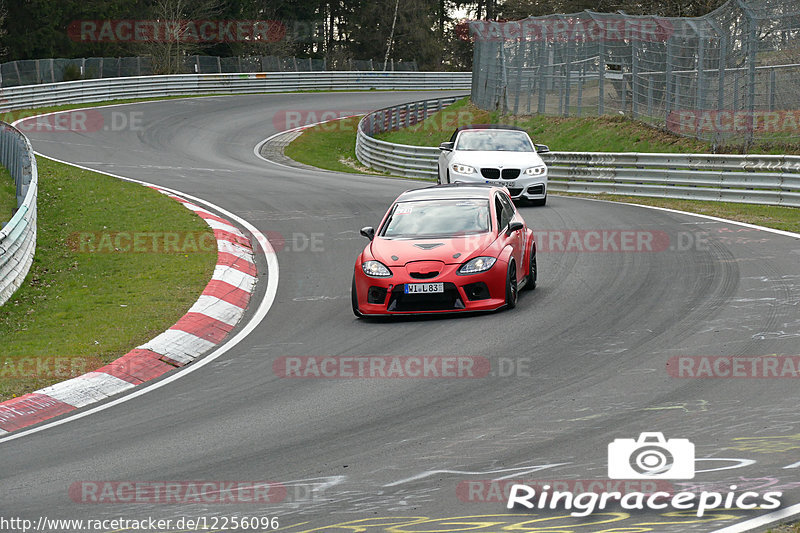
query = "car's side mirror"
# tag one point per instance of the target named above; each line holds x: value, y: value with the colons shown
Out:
x: 514, y: 226
x: 542, y: 148
x: 446, y: 147
x: 368, y: 232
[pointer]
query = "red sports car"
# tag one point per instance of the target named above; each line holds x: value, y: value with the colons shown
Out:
x: 443, y: 249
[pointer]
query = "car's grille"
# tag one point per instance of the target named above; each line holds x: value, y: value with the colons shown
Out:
x: 447, y: 300
x: 536, y: 189
x: 514, y: 191
x: 510, y: 173
x: 490, y: 173
x: 420, y: 275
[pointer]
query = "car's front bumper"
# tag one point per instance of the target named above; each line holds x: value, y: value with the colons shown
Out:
x: 485, y: 291
x: 528, y: 188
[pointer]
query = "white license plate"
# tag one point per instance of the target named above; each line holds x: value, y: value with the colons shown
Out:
x: 423, y: 288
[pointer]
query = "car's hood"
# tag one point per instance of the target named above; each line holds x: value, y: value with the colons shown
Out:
x: 484, y: 159
x: 445, y: 250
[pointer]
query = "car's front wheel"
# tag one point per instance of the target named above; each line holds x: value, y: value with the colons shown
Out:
x: 543, y: 201
x: 512, y: 290
x: 354, y: 299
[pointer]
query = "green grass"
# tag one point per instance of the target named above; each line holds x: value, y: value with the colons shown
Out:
x: 83, y: 305
x: 438, y: 127
x: 330, y: 146
x: 588, y: 134
x: 605, y: 133
x: 788, y: 528
x: 8, y: 196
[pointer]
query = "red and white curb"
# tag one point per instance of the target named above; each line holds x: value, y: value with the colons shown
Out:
x: 207, y: 323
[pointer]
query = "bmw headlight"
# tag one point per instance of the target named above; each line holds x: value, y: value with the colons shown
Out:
x: 536, y: 171
x: 375, y: 269
x: 476, y: 265
x: 463, y: 169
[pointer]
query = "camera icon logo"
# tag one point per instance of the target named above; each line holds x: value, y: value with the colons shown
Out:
x: 651, y: 457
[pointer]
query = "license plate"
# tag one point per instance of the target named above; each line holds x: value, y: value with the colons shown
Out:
x: 505, y: 183
x: 423, y: 288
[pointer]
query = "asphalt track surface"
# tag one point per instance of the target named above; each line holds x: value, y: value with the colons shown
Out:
x: 593, y: 340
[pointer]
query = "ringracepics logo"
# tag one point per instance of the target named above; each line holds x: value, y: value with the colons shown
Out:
x: 650, y: 457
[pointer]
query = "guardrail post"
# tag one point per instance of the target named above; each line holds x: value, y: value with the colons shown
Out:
x: 772, y: 89
x: 634, y: 78
x: 602, y: 72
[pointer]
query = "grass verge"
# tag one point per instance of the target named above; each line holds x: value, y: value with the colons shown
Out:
x: 331, y: 146
x: 788, y: 528
x: 8, y: 196
x: 607, y: 133
x: 76, y: 306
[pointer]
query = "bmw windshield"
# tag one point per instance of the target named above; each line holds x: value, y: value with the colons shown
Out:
x: 437, y: 219
x: 494, y: 140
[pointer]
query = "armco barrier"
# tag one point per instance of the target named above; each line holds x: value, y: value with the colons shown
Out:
x: 399, y: 159
x: 18, y: 236
x: 755, y: 179
x: 97, y: 90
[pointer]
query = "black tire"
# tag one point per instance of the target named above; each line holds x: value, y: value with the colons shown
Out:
x: 512, y: 290
x: 447, y: 175
x: 438, y: 175
x: 543, y: 201
x: 533, y: 272
x: 354, y: 299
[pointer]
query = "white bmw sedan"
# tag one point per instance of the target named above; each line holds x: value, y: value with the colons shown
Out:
x: 499, y: 155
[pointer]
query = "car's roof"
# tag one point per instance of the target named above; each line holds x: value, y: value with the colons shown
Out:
x: 449, y: 191
x: 489, y: 127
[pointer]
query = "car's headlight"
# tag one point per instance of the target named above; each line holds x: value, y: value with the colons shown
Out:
x: 478, y: 264
x: 463, y: 169
x: 536, y: 171
x: 375, y: 269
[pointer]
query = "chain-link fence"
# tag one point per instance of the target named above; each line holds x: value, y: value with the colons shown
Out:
x: 37, y: 71
x: 730, y: 76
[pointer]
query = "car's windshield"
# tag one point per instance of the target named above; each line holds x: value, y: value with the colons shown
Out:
x: 437, y: 218
x: 494, y: 140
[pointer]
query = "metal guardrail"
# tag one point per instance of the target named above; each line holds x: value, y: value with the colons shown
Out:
x: 97, y: 90
x: 18, y: 236
x: 755, y: 179
x: 399, y: 159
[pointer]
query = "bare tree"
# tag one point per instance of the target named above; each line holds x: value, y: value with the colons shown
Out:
x: 173, y: 37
